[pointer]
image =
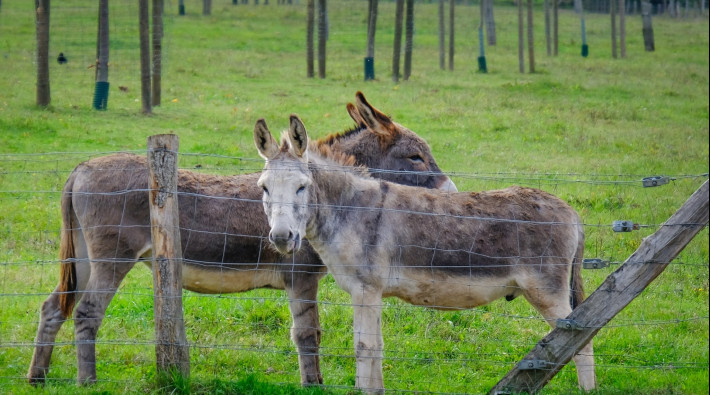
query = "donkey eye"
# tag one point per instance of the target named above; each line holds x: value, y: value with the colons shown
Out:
x: 416, y: 158
x: 266, y: 190
x: 301, y: 189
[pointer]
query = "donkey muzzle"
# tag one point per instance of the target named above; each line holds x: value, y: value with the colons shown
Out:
x: 284, y: 240
x: 448, y: 186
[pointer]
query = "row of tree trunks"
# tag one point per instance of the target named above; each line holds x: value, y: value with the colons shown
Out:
x: 674, y: 8
x: 150, y: 94
x: 442, y: 34
x: 207, y: 5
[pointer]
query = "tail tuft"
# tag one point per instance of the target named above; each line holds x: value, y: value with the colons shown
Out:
x: 67, y: 276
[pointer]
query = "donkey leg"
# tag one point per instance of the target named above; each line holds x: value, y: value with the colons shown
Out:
x: 89, y: 312
x: 367, y: 330
x: 584, y: 362
x: 556, y: 305
x: 50, y: 321
x: 306, y: 331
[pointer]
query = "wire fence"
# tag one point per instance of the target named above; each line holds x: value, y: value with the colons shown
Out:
x: 233, y: 334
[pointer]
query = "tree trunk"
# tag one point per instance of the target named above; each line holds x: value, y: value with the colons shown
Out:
x: 157, y: 51
x: 648, y: 40
x: 442, y: 37
x: 555, y: 26
x: 372, y: 28
x: 144, y: 32
x: 309, y: 38
x: 451, y: 34
x: 612, y: 12
x: 322, y: 31
x: 42, y: 27
x: 409, y: 39
x: 206, y: 7
x: 622, y: 28
x: 531, y: 40
x: 521, y: 39
x: 548, y: 28
x: 102, y: 57
x: 490, y: 22
x: 399, y: 13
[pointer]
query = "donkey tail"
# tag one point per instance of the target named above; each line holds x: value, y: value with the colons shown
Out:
x: 576, y: 283
x: 67, y: 271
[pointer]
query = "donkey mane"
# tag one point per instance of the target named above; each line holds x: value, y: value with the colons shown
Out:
x: 331, y: 138
x: 323, y: 155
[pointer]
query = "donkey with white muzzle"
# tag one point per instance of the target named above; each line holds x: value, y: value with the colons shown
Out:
x: 433, y: 248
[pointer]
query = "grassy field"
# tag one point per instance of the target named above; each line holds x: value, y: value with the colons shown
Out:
x: 586, y: 129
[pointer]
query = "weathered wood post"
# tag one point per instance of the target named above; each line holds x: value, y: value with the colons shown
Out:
x: 616, y: 292
x: 171, y: 348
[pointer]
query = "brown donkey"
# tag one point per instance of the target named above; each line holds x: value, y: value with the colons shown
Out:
x: 106, y: 230
x: 432, y: 248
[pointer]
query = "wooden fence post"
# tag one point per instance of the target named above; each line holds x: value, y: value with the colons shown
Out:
x: 171, y: 348
x: 616, y: 292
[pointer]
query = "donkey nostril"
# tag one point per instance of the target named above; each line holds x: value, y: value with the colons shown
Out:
x: 280, y: 237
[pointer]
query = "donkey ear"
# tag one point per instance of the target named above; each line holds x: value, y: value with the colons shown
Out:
x: 265, y: 143
x: 379, y: 123
x: 298, y: 136
x: 355, y: 115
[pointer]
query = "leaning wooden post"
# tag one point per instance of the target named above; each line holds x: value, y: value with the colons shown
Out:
x: 171, y: 348
x: 615, y: 293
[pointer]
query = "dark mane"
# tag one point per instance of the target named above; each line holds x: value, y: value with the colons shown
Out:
x: 333, y: 137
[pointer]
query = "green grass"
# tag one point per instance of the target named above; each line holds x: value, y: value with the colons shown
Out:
x: 586, y: 129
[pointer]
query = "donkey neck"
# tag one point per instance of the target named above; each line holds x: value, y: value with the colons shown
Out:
x: 342, y: 192
x: 359, y: 142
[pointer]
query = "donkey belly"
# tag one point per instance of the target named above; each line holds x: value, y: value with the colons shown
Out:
x: 217, y: 279
x: 424, y: 288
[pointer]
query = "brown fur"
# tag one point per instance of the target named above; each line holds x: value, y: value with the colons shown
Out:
x: 106, y: 229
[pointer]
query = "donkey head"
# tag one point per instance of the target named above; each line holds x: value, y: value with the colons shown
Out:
x: 396, y: 153
x: 285, y: 181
